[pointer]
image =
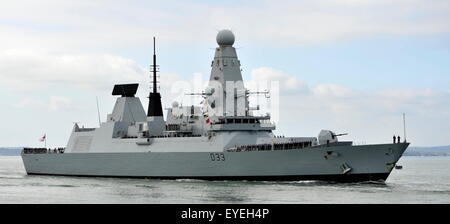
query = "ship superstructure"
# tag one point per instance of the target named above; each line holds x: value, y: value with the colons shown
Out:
x: 221, y: 139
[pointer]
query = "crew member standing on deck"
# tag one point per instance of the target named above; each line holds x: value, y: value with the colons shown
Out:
x: 394, y: 139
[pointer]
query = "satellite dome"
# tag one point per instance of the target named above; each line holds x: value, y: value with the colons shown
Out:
x: 225, y: 37
x: 175, y: 104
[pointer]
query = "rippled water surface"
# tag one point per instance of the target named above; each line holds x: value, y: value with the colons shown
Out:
x: 422, y: 180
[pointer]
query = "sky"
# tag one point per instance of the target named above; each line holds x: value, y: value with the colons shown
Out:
x: 351, y: 66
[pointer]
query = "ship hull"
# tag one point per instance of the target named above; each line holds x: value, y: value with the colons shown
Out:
x: 365, y: 163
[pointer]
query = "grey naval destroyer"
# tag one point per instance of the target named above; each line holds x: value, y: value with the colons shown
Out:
x: 225, y: 141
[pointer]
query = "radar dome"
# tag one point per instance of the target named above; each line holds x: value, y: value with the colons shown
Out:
x: 175, y: 104
x: 225, y: 37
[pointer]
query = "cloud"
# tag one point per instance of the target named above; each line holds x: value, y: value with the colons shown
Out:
x: 60, y: 44
x: 288, y: 83
x: 32, y: 70
x: 335, y: 106
x: 303, y: 110
x: 55, y: 103
x: 332, y: 90
x: 82, y: 24
x: 369, y: 116
x: 30, y: 103
x: 59, y: 103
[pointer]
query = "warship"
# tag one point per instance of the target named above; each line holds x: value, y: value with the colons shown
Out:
x: 221, y: 139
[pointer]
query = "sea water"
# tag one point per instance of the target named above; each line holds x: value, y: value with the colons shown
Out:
x: 422, y: 180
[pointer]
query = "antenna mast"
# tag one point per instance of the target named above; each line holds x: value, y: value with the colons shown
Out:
x: 404, y: 127
x: 154, y: 104
x: 98, y: 112
x: 154, y: 66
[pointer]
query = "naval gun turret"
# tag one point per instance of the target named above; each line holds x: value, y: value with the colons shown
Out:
x: 327, y: 137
